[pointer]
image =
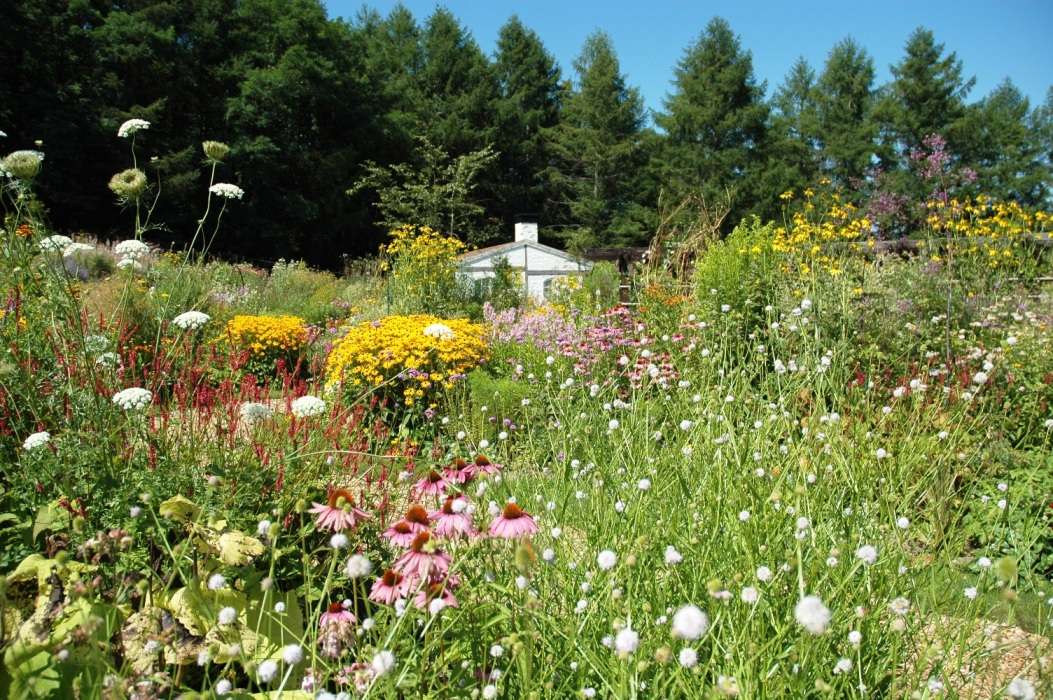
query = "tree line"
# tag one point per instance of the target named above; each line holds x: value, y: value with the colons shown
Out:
x: 335, y: 124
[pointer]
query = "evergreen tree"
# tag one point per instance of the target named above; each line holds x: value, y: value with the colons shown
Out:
x: 530, y: 102
x: 716, y: 120
x: 596, y: 149
x: 793, y: 152
x: 1008, y: 155
x: 926, y: 96
x: 843, y: 126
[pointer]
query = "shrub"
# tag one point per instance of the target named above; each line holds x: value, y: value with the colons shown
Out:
x: 416, y: 354
x: 423, y: 266
x: 268, y: 340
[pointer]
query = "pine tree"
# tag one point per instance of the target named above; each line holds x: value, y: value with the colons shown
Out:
x: 530, y: 102
x: 844, y: 128
x: 716, y: 120
x: 926, y: 96
x: 596, y: 149
x: 793, y: 149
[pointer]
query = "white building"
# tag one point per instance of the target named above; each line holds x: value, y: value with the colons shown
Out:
x: 539, y: 264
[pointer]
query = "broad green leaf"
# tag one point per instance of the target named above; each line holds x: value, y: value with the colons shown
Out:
x: 179, y: 508
x: 50, y: 517
x: 237, y: 548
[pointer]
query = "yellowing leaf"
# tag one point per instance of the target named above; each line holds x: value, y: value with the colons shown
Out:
x: 179, y: 508
x: 237, y: 548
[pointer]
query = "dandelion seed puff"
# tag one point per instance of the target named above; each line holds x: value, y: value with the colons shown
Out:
x: 383, y: 662
x: 626, y: 641
x: 191, y: 320
x: 606, y: 559
x: 36, y: 440
x: 292, y: 654
x: 690, y: 623
x: 1020, y: 689
x: 227, y: 190
x: 132, y: 126
x: 267, y: 670
x: 812, y: 615
x: 227, y: 616
x: 688, y: 657
x: 133, y: 399
x: 867, y: 554
x: 358, y: 566
x: 307, y: 406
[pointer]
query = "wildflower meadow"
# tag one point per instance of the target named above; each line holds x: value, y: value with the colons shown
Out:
x: 792, y: 462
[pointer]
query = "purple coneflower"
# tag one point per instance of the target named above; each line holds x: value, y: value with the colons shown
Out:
x: 339, y: 513
x: 438, y: 588
x: 423, y: 559
x: 390, y: 587
x: 432, y: 484
x: 451, y: 520
x: 460, y: 472
x: 336, y: 630
x: 514, y: 522
x: 482, y: 465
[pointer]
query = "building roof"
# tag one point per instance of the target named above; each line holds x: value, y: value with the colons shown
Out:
x: 479, y: 254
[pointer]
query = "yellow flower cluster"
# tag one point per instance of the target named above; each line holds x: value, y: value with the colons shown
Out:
x: 838, y: 221
x: 984, y: 229
x: 267, y: 336
x: 416, y: 353
x: 20, y: 324
x: 422, y: 243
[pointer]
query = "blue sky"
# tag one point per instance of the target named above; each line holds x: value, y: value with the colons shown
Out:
x: 995, y: 40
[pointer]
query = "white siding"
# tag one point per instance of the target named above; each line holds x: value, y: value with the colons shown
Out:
x: 540, y: 264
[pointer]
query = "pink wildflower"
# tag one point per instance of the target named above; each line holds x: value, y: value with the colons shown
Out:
x: 513, y: 522
x: 336, y: 630
x: 432, y: 484
x: 451, y: 520
x: 423, y: 559
x: 390, y: 587
x: 339, y: 513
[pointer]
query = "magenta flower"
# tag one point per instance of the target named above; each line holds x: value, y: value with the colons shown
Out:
x: 339, y: 513
x: 451, y: 520
x: 335, y: 630
x: 432, y: 484
x: 514, y: 522
x: 423, y: 559
x: 460, y: 472
x: 442, y: 588
x: 390, y: 587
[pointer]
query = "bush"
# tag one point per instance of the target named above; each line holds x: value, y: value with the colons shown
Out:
x: 268, y: 341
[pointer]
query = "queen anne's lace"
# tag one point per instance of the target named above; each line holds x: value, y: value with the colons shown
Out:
x: 133, y: 399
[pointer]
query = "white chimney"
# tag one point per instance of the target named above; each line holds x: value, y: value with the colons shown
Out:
x: 526, y: 231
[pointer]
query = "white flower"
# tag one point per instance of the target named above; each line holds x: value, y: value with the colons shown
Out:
x: 128, y: 263
x: 984, y: 562
x: 73, y: 248
x: 436, y: 606
x: 55, y: 244
x: 338, y: 541
x: 292, y: 654
x: 251, y: 411
x: 900, y: 606
x: 749, y: 595
x: 307, y: 406
x: 36, y: 440
x: 133, y: 399
x: 855, y: 638
x: 763, y: 574
x: 223, y: 687
x: 191, y: 320
x: 812, y: 614
x: 843, y: 665
x: 606, y: 559
x: 227, y: 190
x: 216, y: 581
x: 688, y: 657
x: 489, y: 691
x: 267, y: 670
x: 626, y: 641
x: 644, y: 484
x: 227, y: 616
x: 358, y: 566
x: 902, y: 523
x: 686, y: 425
x: 131, y: 249
x: 440, y: 331
x: 980, y: 378
x: 496, y: 650
x: 971, y: 592
x: 131, y: 126
x: 689, y: 623
x: 383, y: 662
x: 867, y: 554
x: 1021, y: 689
x: 613, y: 424
x: 672, y: 557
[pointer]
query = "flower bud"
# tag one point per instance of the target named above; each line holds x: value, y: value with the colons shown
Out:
x: 129, y: 184
x: 215, y: 150
x: 24, y: 165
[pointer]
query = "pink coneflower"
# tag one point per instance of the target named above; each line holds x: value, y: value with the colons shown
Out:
x: 432, y: 484
x: 440, y: 588
x: 423, y: 559
x: 460, y: 472
x: 401, y: 534
x: 335, y: 630
x: 512, y: 523
x: 339, y: 513
x: 390, y: 587
x: 482, y: 465
x: 452, y: 521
